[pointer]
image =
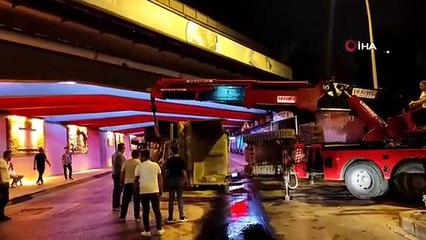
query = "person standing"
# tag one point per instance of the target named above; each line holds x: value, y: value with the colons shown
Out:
x: 155, y: 153
x: 40, y: 161
x: 4, y: 184
x: 67, y: 162
x: 127, y: 180
x: 149, y: 181
x: 176, y: 180
x: 419, y: 107
x: 118, y: 159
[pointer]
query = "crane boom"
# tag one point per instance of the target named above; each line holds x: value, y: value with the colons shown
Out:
x: 376, y: 125
x: 252, y: 93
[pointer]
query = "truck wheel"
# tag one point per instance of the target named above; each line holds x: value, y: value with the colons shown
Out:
x: 364, y: 181
x: 409, y: 180
x: 385, y: 187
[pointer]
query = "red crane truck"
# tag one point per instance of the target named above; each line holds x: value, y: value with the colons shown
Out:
x: 388, y: 156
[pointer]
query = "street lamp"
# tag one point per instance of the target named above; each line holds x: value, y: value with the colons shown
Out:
x: 372, y: 50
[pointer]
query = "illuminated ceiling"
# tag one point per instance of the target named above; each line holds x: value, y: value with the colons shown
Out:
x: 110, y: 109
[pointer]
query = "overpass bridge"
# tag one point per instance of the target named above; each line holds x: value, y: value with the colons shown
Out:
x: 124, y: 44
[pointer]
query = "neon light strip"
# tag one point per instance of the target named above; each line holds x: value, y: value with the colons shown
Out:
x: 140, y: 125
x: 92, y: 116
x: 231, y: 126
x: 137, y: 133
x: 12, y: 89
x: 217, y: 106
x: 128, y: 126
x: 335, y: 109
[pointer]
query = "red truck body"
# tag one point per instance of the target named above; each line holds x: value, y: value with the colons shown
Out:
x: 336, y: 158
x: 389, y: 154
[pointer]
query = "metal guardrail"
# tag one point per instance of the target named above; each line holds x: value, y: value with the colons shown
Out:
x: 210, y: 23
x: 269, y: 136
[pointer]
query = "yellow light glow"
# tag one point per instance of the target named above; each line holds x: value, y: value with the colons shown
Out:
x: 56, y: 179
x: 89, y: 171
x: 119, y: 138
x: 110, y: 135
x: 15, y: 128
x: 25, y: 135
x: 159, y: 19
x: 72, y: 127
x: 36, y: 124
x: 78, y: 139
x: 32, y: 181
x: 110, y: 139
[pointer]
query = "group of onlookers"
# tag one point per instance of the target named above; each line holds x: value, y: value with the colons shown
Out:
x: 141, y: 179
x: 138, y: 178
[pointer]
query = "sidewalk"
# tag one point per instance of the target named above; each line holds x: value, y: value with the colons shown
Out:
x: 414, y: 223
x: 30, y: 189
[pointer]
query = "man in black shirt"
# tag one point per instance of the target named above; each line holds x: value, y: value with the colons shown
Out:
x: 176, y: 179
x: 40, y: 161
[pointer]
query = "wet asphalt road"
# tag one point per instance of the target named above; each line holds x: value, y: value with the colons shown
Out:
x: 322, y: 211
x: 328, y: 211
x: 84, y: 212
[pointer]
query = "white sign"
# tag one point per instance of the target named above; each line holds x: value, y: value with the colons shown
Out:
x: 282, y: 115
x: 364, y: 93
x: 286, y: 99
x: 173, y: 89
x: 199, y: 81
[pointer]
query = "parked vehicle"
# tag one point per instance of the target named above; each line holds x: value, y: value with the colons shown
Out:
x: 388, y: 155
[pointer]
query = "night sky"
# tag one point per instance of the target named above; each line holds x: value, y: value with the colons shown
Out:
x: 296, y: 32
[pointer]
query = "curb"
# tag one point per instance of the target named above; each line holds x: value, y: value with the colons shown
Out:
x: 30, y: 196
x: 411, y: 225
x: 394, y: 227
x: 258, y: 200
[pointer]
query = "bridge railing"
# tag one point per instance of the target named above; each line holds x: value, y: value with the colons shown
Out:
x: 210, y: 23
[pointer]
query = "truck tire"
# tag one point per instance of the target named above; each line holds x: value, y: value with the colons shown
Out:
x: 365, y: 181
x: 409, y: 180
x: 385, y: 187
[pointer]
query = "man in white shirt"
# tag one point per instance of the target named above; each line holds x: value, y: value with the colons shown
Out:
x: 149, y: 181
x: 118, y: 159
x: 4, y: 184
x: 127, y: 180
x: 419, y: 107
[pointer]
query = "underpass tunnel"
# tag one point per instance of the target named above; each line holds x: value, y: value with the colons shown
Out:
x: 92, y: 118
